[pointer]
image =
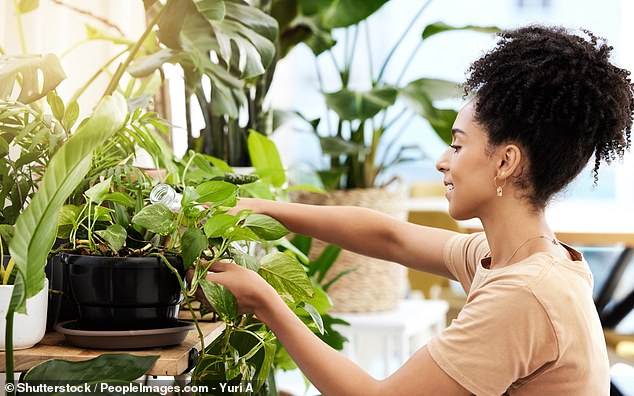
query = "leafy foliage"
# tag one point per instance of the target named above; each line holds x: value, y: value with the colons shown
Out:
x: 365, y: 118
x: 35, y: 227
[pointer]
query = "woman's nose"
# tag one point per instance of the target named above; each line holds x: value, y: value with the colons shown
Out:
x: 442, y: 163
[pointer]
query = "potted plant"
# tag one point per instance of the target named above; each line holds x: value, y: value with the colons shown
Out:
x: 42, y: 165
x: 368, y: 120
x: 28, y: 141
x: 86, y: 170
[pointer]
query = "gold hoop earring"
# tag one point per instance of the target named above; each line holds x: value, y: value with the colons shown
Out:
x: 498, y: 189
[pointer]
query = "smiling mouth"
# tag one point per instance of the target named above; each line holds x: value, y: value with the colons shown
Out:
x: 450, y: 187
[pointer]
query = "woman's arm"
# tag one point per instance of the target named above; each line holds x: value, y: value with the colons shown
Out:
x: 328, y: 370
x: 363, y: 231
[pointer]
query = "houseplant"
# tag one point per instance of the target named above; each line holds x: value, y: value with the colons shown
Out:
x: 361, y: 123
x: 207, y: 39
x: 86, y: 178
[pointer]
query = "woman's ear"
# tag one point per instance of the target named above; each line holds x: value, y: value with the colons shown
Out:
x: 510, y: 159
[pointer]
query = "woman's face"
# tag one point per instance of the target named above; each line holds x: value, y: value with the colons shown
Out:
x: 468, y: 170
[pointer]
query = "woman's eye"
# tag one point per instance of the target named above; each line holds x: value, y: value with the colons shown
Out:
x: 454, y: 147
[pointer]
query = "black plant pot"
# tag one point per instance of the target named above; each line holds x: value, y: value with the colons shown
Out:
x: 57, y: 294
x: 124, y: 293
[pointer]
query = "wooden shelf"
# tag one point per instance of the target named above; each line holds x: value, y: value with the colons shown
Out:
x: 173, y: 361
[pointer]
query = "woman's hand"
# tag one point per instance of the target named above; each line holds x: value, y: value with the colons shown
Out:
x: 252, y: 292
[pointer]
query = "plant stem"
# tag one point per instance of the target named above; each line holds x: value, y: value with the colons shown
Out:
x: 114, y: 83
x: 320, y: 81
x: 201, y: 336
x: 350, y: 55
x: 408, y: 62
x: 18, y: 17
x: 72, y: 48
x: 103, y: 68
x: 400, y: 40
x: 369, y: 48
x: 90, y: 15
x: 395, y: 138
x: 8, y: 340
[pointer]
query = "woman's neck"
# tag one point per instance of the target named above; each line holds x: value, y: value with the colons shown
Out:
x: 516, y: 231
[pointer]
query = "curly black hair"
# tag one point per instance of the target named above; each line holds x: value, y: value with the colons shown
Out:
x: 557, y: 95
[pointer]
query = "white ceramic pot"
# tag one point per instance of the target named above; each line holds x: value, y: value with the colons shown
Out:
x: 29, y: 328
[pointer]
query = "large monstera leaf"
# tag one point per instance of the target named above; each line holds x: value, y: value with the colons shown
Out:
x: 228, y: 41
x: 28, y: 69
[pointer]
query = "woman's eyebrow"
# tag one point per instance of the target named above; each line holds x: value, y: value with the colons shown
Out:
x: 456, y: 131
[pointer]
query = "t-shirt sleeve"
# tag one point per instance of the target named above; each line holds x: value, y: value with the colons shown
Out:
x: 462, y: 253
x: 502, y: 335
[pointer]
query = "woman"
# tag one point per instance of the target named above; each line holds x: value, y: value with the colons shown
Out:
x: 542, y: 103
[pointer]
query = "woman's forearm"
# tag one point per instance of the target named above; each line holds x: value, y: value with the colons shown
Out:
x: 356, y: 229
x: 327, y: 369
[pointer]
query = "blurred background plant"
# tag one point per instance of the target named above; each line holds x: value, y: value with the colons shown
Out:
x: 363, y: 119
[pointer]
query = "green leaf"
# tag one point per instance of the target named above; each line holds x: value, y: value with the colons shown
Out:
x: 440, y: 27
x: 68, y: 218
x: 18, y: 295
x: 266, y: 159
x: 432, y: 89
x: 331, y: 336
x: 258, y: 189
x: 221, y: 299
x: 98, y: 192
x: 343, y: 273
x: 360, y: 105
x: 212, y: 10
x: 56, y: 104
x: 36, y: 227
x: 30, y: 68
x: 324, y: 262
x: 26, y: 6
x: 71, y: 115
x: 172, y: 22
x: 220, y: 164
x: 314, y: 314
x: 336, y: 146
x: 441, y: 120
x: 296, y: 250
x: 216, y: 191
x: 157, y: 218
x: 217, y: 225
x: 120, y: 198
x: 244, y: 260
x: 6, y: 233
x: 287, y: 276
x: 320, y: 300
x: 115, y: 235
x: 265, y: 227
x: 110, y: 367
x: 343, y: 13
x: 241, y: 234
x: 263, y: 369
x: 330, y: 178
x: 146, y: 65
x: 193, y: 242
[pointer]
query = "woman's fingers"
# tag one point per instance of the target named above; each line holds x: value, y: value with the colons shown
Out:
x: 222, y: 266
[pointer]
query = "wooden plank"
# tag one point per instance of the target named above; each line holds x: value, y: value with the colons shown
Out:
x: 173, y: 360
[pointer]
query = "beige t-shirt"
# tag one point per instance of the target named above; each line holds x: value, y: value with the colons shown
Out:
x: 530, y: 328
